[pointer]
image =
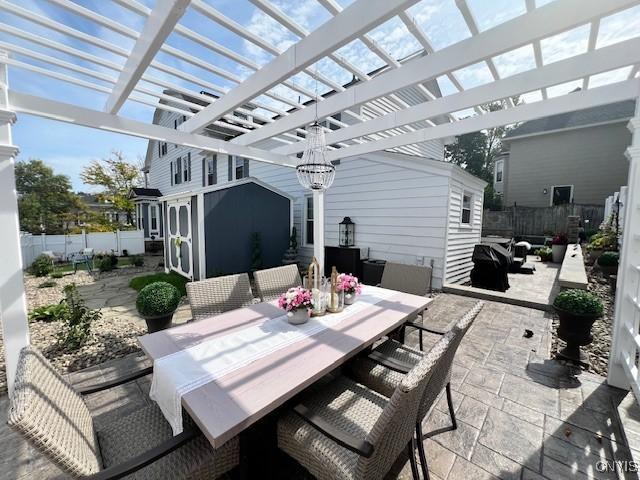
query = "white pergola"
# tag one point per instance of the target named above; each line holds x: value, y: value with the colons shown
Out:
x: 378, y: 116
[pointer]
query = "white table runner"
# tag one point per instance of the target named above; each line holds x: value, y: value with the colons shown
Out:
x: 183, y: 371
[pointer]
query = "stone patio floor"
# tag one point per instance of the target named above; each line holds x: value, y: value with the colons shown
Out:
x: 520, y: 414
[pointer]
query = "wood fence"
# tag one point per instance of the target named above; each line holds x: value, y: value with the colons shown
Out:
x: 516, y: 220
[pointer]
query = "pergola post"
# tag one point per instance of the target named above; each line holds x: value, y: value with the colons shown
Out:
x: 623, y: 369
x: 318, y: 228
x: 13, y: 305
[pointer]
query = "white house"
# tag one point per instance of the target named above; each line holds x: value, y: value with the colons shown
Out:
x: 406, y: 208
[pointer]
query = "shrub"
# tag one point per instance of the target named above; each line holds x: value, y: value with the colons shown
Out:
x: 41, y: 266
x: 178, y: 281
x: 560, y: 239
x: 578, y: 302
x: 114, y: 260
x: 56, y: 275
x: 105, y: 265
x: 157, y: 299
x: 137, y: 260
x: 47, y: 284
x: 76, y: 323
x: 609, y: 259
x: 545, y: 253
x: 49, y: 313
x: 125, y: 252
x: 603, y: 240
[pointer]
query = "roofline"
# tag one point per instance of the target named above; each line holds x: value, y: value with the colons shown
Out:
x: 568, y: 129
x: 223, y: 186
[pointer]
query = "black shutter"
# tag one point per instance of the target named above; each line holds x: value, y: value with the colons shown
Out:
x: 215, y: 169
x: 171, y: 165
x: 204, y: 171
x: 246, y: 168
x: 230, y: 168
x: 189, y: 165
x: 179, y: 170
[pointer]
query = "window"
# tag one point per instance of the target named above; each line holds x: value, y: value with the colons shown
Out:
x: 176, y: 171
x: 238, y: 168
x: 162, y: 149
x: 499, y: 170
x: 209, y: 170
x: 561, y: 194
x: 466, y: 208
x: 308, y: 220
x: 154, y: 218
x: 186, y: 168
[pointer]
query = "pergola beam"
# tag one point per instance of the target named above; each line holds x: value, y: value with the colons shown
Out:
x: 158, y: 26
x: 65, y: 112
x: 605, y: 59
x: 566, y: 103
x: 553, y: 18
x: 333, y: 34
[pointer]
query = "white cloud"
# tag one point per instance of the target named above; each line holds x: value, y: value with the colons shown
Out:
x: 565, y: 45
x: 621, y: 26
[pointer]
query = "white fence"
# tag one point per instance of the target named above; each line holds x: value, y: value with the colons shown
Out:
x: 66, y: 245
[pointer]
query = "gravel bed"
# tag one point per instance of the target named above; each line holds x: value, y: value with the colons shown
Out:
x: 602, y: 328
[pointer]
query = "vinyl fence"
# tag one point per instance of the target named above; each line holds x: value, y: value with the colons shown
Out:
x: 66, y: 245
x: 516, y: 220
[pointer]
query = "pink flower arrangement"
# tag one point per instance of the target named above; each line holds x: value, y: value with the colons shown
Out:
x: 294, y: 299
x: 349, y: 283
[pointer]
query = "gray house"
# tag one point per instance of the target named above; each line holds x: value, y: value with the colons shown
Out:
x: 575, y: 157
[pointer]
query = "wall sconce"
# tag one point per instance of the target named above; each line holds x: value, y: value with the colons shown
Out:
x: 545, y: 191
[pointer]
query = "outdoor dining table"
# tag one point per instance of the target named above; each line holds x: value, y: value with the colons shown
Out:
x: 226, y: 406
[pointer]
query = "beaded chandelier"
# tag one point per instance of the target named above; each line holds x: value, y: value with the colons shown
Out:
x: 314, y: 171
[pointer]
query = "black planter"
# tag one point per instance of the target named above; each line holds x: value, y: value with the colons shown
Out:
x: 576, y: 331
x: 155, y: 324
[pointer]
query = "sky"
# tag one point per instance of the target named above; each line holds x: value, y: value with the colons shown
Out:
x: 68, y: 148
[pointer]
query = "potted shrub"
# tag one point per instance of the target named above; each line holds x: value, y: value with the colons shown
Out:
x: 559, y: 247
x: 599, y: 243
x: 297, y: 303
x: 156, y: 303
x: 577, y: 310
x: 350, y: 286
x: 608, y: 263
x: 545, y: 254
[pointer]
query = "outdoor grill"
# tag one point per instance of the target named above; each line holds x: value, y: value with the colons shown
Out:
x: 491, y: 263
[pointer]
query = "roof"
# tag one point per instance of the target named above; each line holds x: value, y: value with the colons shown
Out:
x: 576, y: 119
x: 144, y: 192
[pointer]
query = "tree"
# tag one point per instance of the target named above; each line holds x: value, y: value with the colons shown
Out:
x: 117, y: 177
x: 44, y: 198
x: 476, y: 151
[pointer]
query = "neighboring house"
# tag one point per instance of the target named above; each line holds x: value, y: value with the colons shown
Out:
x: 148, y: 215
x: 104, y: 209
x: 575, y: 157
x: 407, y: 208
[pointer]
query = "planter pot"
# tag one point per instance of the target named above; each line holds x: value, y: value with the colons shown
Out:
x: 155, y: 324
x: 558, y: 252
x: 593, y: 255
x: 298, y: 317
x: 576, y: 331
x: 349, y: 298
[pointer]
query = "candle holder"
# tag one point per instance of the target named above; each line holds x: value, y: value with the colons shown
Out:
x: 318, y: 287
x: 336, y: 297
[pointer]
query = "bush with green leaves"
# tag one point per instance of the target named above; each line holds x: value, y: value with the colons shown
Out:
x: 114, y: 260
x: 157, y: 299
x: 578, y: 302
x: 47, y: 284
x: 41, y: 266
x: 603, y: 240
x: 76, y: 323
x: 56, y: 275
x: 545, y: 253
x: 609, y: 259
x: 49, y: 313
x: 105, y: 264
x: 137, y: 260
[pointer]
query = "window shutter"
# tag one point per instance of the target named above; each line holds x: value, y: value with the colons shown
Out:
x: 215, y: 169
x: 204, y: 171
x: 246, y: 168
x: 189, y: 165
x: 171, y: 165
x: 179, y: 170
x: 159, y: 150
x: 230, y: 168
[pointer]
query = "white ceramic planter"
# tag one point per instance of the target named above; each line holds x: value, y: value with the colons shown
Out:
x: 298, y: 317
x: 558, y: 252
x: 349, y: 298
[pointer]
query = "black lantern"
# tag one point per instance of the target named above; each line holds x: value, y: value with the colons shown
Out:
x: 347, y: 232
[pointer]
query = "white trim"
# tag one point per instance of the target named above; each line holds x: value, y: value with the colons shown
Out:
x: 471, y: 222
x: 560, y: 186
x: 568, y: 129
x: 222, y: 186
x: 498, y: 163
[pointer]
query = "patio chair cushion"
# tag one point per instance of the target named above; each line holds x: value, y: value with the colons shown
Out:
x: 147, y: 428
x: 272, y: 282
x: 347, y: 405
x: 53, y: 416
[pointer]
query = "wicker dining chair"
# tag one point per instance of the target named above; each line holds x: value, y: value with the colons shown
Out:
x: 218, y: 295
x: 272, y: 282
x: 344, y: 430
x: 54, y: 418
x: 385, y: 367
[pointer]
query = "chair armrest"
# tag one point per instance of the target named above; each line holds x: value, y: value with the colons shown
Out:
x: 389, y: 362
x: 114, y: 383
x: 136, y: 463
x: 342, y: 438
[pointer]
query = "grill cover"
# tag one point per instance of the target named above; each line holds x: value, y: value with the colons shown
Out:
x: 490, y: 266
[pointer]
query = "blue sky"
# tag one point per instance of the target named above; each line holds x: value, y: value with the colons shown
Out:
x: 67, y: 148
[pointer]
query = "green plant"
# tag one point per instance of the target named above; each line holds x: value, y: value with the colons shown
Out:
x: 105, y: 265
x: 56, y: 275
x: 609, y: 259
x: 175, y: 279
x: 157, y: 299
x: 114, y: 260
x: 256, y: 251
x: 293, y: 239
x: 603, y: 240
x: 137, y: 260
x: 41, y: 266
x: 49, y: 313
x: 76, y: 323
x: 47, y: 284
x: 578, y: 302
x: 545, y: 253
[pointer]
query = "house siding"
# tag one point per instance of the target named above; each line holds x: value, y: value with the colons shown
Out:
x: 591, y: 159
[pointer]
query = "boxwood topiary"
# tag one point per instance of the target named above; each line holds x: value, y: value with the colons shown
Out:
x: 105, y: 264
x: 578, y: 302
x: 609, y: 259
x: 157, y: 299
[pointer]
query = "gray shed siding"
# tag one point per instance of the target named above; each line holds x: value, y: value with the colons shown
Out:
x: 591, y: 159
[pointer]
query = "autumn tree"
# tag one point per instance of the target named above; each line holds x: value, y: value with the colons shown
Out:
x: 116, y: 176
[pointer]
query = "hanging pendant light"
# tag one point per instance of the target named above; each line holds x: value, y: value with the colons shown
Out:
x: 314, y: 171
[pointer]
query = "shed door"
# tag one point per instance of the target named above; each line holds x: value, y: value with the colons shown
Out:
x: 180, y: 241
